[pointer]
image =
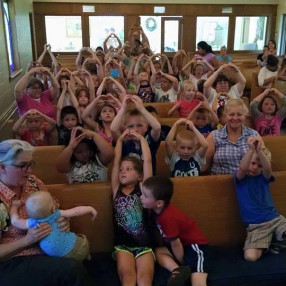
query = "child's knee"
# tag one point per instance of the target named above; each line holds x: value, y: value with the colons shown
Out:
x: 252, y: 254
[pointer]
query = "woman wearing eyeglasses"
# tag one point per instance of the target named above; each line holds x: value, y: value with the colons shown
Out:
x: 21, y: 260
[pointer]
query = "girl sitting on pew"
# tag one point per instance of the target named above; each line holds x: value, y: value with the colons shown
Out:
x: 266, y: 113
x: 31, y: 127
x: 85, y: 158
x: 100, y: 114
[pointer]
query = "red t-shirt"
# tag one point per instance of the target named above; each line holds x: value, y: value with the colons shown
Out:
x: 173, y: 224
x: 186, y: 106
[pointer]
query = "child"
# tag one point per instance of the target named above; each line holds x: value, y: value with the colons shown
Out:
x: 186, y: 243
x: 85, y: 158
x: 83, y: 98
x: 266, y: 113
x: 168, y: 90
x: 187, y: 102
x: 103, y: 110
x: 137, y: 119
x: 143, y: 83
x: 67, y: 119
x: 255, y: 202
x: 186, y: 159
x: 36, y: 132
x: 41, y: 208
x: 268, y: 74
x: 133, y: 252
x: 221, y: 117
x: 219, y: 100
x: 204, y: 118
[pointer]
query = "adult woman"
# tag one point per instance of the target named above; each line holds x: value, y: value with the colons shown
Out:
x: 272, y: 47
x: 30, y: 94
x: 205, y: 51
x: 228, y: 145
x: 21, y: 259
x: 221, y: 83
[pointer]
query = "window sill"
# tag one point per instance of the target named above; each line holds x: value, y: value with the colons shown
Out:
x: 14, y: 74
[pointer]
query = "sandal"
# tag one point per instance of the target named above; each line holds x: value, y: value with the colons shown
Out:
x: 179, y: 276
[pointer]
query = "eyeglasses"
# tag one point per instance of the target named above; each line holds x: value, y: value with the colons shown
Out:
x: 25, y: 166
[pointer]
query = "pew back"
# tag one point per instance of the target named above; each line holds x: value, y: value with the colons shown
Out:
x: 211, y: 201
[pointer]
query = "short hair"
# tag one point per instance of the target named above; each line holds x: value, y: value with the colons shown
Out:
x: 220, y: 111
x: 221, y: 77
x: 137, y: 163
x: 236, y: 102
x: 151, y: 109
x: 99, y: 48
x: 262, y: 101
x: 34, y: 81
x: 39, y: 205
x: 200, y: 85
x: 133, y: 112
x: 10, y: 149
x: 272, y: 60
x: 161, y: 188
x: 187, y: 82
x: 69, y: 110
x: 186, y: 135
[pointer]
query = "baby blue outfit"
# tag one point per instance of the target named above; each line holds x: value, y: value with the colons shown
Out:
x: 57, y: 243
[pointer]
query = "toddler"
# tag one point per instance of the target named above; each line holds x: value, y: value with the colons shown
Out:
x: 257, y: 209
x: 186, y: 158
x: 187, y: 102
x: 266, y: 113
x: 85, y: 158
x: 187, y: 245
x: 41, y: 208
x: 31, y: 127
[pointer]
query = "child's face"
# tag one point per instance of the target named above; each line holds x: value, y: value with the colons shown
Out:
x: 186, y: 149
x: 222, y: 120
x: 200, y: 119
x: 83, y: 99
x: 165, y: 84
x: 136, y: 123
x: 189, y: 92
x: 34, y: 123
x: 255, y: 167
x: 82, y: 153
x: 143, y: 76
x: 268, y: 106
x: 70, y: 121
x: 223, y: 51
x: 199, y: 71
x: 127, y: 174
x: 147, y: 199
x: 157, y: 66
x: 96, y: 80
x: 107, y: 114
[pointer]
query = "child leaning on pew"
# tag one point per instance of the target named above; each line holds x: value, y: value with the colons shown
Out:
x: 186, y: 158
x: 257, y: 209
x: 186, y: 245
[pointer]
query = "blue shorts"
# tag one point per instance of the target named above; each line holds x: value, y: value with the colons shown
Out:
x: 135, y: 251
x: 196, y: 256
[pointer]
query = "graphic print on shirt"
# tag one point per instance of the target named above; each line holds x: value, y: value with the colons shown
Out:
x: 188, y: 168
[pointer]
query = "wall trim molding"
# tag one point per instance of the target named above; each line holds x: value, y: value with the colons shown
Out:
x: 10, y: 111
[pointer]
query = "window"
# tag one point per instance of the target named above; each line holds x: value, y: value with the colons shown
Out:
x: 213, y: 30
x: 64, y: 33
x: 102, y: 26
x: 10, y: 35
x: 250, y: 33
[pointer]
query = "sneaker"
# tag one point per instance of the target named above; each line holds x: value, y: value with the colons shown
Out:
x: 279, y: 243
x: 274, y: 249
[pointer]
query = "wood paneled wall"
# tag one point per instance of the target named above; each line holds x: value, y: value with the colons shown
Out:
x: 132, y: 11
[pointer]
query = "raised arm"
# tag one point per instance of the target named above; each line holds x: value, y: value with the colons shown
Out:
x: 55, y: 87
x: 41, y: 57
x: 171, y: 136
x: 78, y: 61
x: 173, y: 79
x: 201, y: 139
x: 241, y: 81
x: 173, y: 109
x: 170, y: 69
x: 151, y: 120
x: 18, y: 124
x: 22, y: 84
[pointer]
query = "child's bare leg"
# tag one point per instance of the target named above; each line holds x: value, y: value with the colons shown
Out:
x: 252, y: 254
x: 165, y: 258
x: 145, y: 269
x: 126, y: 268
x: 199, y: 279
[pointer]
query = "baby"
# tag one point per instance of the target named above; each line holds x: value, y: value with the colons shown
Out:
x: 41, y: 208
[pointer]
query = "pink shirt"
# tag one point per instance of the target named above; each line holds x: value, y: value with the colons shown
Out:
x: 44, y: 105
x: 268, y: 127
x: 186, y: 106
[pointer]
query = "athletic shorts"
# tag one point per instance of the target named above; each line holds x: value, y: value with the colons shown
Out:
x: 135, y: 251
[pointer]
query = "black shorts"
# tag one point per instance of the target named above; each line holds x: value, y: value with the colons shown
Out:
x: 196, y: 256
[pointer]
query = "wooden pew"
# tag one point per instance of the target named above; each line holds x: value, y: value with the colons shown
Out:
x: 255, y: 88
x: 215, y: 209
x: 163, y: 108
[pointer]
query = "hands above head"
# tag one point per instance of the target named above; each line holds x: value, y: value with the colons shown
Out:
x: 255, y: 143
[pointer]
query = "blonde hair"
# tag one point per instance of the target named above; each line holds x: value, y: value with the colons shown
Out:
x: 236, y: 102
x: 39, y: 205
x: 187, y: 82
x: 186, y: 135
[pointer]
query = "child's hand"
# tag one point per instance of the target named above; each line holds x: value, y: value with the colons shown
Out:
x: 133, y: 134
x: 75, y: 139
x: 138, y: 102
x: 127, y: 99
x: 93, y: 213
x: 124, y: 136
x: 254, y: 143
x: 16, y: 203
x: 181, y: 121
x: 190, y: 124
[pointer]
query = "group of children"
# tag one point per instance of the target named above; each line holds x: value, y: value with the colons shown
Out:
x: 119, y: 120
